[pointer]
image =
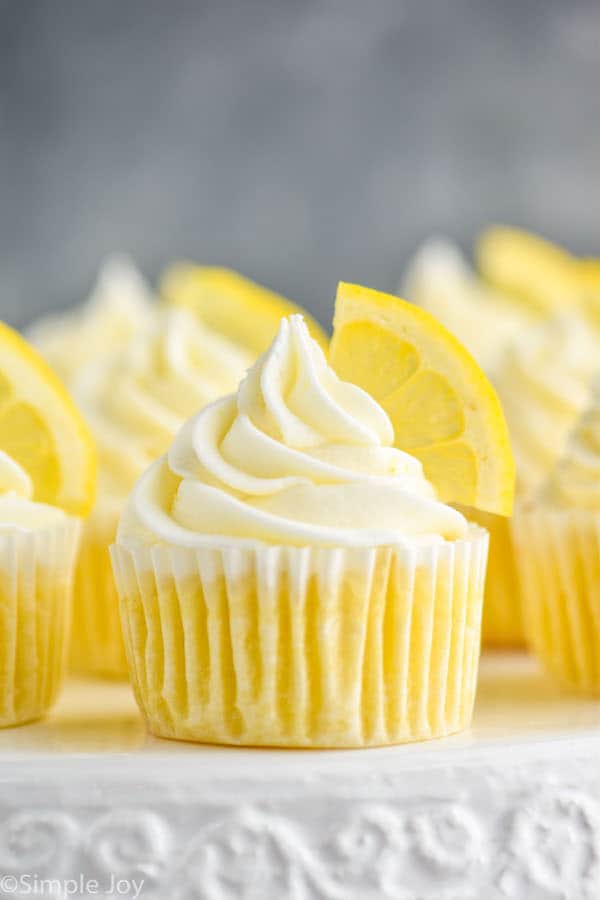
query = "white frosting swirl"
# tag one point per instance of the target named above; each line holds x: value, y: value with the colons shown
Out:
x: 17, y: 508
x: 296, y: 457
x: 575, y: 480
x: 543, y: 384
x: 440, y: 280
x: 136, y: 400
x: 119, y: 302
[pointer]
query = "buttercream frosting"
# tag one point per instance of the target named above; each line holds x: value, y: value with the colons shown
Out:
x: 296, y: 456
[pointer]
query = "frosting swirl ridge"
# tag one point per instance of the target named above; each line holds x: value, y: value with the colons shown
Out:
x: 297, y: 457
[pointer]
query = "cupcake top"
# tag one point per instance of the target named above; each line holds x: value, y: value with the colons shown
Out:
x: 575, y: 480
x: 296, y: 457
x: 440, y: 280
x: 119, y: 302
x: 136, y: 399
x: 17, y: 507
x: 543, y: 384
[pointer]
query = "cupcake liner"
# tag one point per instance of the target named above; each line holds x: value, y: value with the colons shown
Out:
x: 97, y: 642
x: 36, y: 579
x: 305, y: 647
x: 502, y: 624
x: 558, y: 556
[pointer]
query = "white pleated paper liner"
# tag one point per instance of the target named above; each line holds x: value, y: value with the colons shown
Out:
x: 304, y: 647
x: 36, y: 580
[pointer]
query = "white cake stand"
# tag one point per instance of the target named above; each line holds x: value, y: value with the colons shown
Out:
x: 509, y: 810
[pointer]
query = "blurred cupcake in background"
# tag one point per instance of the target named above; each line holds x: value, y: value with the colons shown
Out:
x: 525, y: 311
x: 557, y: 539
x: 135, y: 401
x: 118, y: 303
x: 47, y: 484
x: 38, y: 546
x: 543, y: 384
x: 153, y: 363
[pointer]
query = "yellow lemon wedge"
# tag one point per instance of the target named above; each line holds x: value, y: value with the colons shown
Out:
x: 588, y: 275
x: 42, y: 429
x: 529, y: 267
x: 443, y: 408
x: 242, y: 310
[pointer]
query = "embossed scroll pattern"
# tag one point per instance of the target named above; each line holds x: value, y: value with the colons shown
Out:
x: 545, y: 844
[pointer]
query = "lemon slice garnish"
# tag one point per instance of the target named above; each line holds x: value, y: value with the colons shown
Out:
x: 530, y: 268
x: 443, y: 408
x: 42, y: 430
x: 242, y: 310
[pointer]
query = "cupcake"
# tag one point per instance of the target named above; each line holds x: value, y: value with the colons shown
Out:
x: 543, y: 383
x: 38, y: 543
x: 557, y: 542
x: 288, y: 577
x: 119, y: 302
x: 135, y: 401
x: 47, y: 474
x: 486, y: 320
x: 526, y: 315
x: 440, y: 280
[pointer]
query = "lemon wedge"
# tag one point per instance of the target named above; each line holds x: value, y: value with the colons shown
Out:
x: 42, y: 430
x: 588, y: 274
x: 534, y: 270
x: 443, y: 408
x: 242, y: 310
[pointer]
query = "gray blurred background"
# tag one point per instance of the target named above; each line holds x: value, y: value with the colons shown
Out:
x: 300, y: 141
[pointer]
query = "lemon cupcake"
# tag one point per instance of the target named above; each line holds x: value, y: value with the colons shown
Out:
x: 38, y: 544
x: 120, y: 301
x: 524, y: 314
x: 135, y: 401
x: 287, y: 577
x: 557, y: 540
x: 46, y: 481
x: 487, y: 320
x: 543, y: 383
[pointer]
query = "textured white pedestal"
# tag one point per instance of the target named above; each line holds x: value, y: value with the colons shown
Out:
x: 511, y: 809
